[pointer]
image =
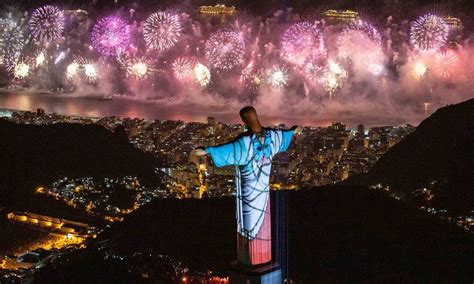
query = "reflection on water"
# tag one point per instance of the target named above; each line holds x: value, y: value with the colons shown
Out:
x: 95, y: 107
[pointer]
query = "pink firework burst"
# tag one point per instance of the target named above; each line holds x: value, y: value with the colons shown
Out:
x: 301, y: 41
x: 110, y: 35
x: 446, y: 64
x: 183, y: 67
x: 313, y: 68
x: 225, y: 49
x: 365, y: 28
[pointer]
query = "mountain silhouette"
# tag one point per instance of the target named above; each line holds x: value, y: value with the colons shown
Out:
x: 334, y: 234
x: 439, y: 153
x: 33, y: 155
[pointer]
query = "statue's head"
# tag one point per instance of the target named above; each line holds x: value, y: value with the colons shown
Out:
x: 249, y: 116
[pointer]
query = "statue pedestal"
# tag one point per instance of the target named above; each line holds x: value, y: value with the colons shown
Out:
x: 269, y: 273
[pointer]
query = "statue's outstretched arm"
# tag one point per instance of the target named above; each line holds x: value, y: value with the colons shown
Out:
x: 235, y: 153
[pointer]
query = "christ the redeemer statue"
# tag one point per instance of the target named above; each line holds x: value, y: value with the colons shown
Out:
x: 252, y: 154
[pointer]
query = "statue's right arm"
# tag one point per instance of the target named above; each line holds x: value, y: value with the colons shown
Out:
x: 231, y: 153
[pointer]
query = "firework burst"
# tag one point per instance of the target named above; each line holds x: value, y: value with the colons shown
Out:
x: 137, y: 67
x: 445, y: 64
x: 162, y: 31
x: 429, y: 32
x: 82, y: 66
x: 419, y: 69
x: 375, y: 69
x: 353, y: 42
x: 21, y: 70
x: 313, y: 68
x: 110, y: 36
x: 40, y: 58
x: 12, y: 41
x: 225, y: 49
x: 72, y: 70
x: 183, y: 68
x: 251, y: 77
x: 254, y: 81
x: 301, y: 41
x: 140, y: 69
x: 46, y: 23
x: 333, y: 77
x: 202, y: 74
x: 365, y: 28
x: 90, y: 71
x: 278, y: 77
x: 360, y: 43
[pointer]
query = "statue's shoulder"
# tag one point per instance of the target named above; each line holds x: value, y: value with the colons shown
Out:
x: 272, y: 131
x: 244, y: 135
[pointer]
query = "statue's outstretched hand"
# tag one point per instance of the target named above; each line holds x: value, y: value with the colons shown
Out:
x: 296, y: 129
x: 199, y: 151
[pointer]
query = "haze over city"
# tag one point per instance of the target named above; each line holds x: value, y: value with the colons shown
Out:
x: 377, y: 66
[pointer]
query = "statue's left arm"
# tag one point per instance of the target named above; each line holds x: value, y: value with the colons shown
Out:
x: 282, y: 139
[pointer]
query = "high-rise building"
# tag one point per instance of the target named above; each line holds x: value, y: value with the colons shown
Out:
x: 211, y: 121
x: 338, y: 126
x: 340, y: 16
x: 216, y: 10
x: 39, y: 112
x: 360, y: 130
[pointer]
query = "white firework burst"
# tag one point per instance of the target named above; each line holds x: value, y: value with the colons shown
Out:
x: 202, y: 74
x: 21, y: 70
x: 429, y: 32
x: 162, y: 30
x: 47, y: 23
x: 278, y: 76
x: 12, y: 41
